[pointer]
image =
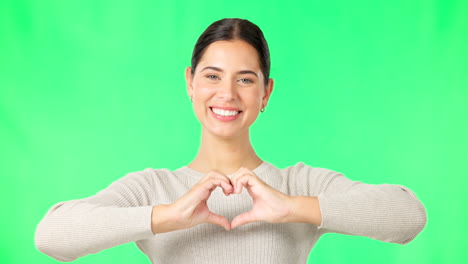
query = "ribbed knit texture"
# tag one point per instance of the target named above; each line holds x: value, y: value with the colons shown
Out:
x: 121, y: 213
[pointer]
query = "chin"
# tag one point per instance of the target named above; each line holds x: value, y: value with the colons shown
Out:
x: 225, y: 133
x: 225, y: 130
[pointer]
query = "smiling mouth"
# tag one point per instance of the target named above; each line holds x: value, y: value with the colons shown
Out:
x: 223, y: 112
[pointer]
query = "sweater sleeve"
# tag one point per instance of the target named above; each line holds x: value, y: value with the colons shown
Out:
x: 385, y: 212
x: 119, y: 214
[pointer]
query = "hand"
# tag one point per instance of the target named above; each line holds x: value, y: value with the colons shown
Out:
x: 191, y: 209
x: 269, y: 204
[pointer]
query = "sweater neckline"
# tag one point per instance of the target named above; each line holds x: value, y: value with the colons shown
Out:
x: 187, y: 170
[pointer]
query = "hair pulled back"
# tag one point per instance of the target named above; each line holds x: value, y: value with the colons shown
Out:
x: 232, y: 29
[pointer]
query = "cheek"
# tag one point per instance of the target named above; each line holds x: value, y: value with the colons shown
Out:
x: 202, y: 97
x: 202, y: 92
x: 253, y: 98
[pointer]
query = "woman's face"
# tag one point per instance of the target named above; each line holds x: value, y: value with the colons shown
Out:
x: 228, y: 88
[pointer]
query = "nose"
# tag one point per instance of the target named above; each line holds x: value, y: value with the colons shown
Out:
x: 227, y: 91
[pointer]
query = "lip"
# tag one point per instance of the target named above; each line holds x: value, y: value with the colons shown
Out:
x: 226, y: 108
x: 225, y: 118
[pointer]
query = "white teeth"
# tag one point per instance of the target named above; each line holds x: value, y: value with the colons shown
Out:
x: 224, y: 112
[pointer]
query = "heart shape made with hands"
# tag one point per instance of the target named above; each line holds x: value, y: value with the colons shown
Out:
x: 269, y: 204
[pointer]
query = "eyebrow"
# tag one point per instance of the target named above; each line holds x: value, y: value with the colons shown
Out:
x: 221, y: 70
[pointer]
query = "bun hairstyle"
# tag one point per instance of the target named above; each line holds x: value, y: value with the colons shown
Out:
x: 234, y: 29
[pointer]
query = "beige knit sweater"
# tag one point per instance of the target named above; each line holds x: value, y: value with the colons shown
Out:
x: 121, y: 214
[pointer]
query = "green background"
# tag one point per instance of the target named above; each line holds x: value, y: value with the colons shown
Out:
x: 91, y: 90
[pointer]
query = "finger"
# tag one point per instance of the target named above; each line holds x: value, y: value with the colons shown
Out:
x: 226, y: 182
x: 218, y: 180
x: 214, y: 174
x: 229, y: 191
x: 239, y: 174
x: 212, y: 183
x: 202, y: 191
x: 244, y: 181
x: 242, y: 219
x: 216, y: 219
x: 225, y: 185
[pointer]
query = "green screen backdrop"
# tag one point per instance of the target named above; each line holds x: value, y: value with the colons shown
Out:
x: 377, y: 90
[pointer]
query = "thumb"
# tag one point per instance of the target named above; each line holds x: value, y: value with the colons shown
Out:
x: 242, y: 219
x: 216, y: 219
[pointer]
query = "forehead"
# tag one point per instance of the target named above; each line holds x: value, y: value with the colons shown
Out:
x: 233, y: 54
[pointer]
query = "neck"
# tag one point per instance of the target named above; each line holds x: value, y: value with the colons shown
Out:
x: 225, y: 155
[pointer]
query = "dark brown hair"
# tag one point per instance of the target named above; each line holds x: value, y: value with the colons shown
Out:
x: 231, y: 29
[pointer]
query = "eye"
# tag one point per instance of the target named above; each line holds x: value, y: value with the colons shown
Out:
x: 246, y: 81
x: 212, y: 77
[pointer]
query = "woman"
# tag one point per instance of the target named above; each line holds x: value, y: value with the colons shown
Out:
x: 228, y: 205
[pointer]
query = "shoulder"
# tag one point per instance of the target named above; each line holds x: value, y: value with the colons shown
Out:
x: 302, y: 169
x: 308, y: 179
x: 166, y: 178
x: 134, y: 179
x: 148, y: 179
x: 147, y: 174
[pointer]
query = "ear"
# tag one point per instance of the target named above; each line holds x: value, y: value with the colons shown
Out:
x: 188, y: 80
x: 268, y: 91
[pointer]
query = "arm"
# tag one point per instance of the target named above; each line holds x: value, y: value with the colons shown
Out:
x: 116, y: 215
x: 305, y: 209
x: 385, y: 212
